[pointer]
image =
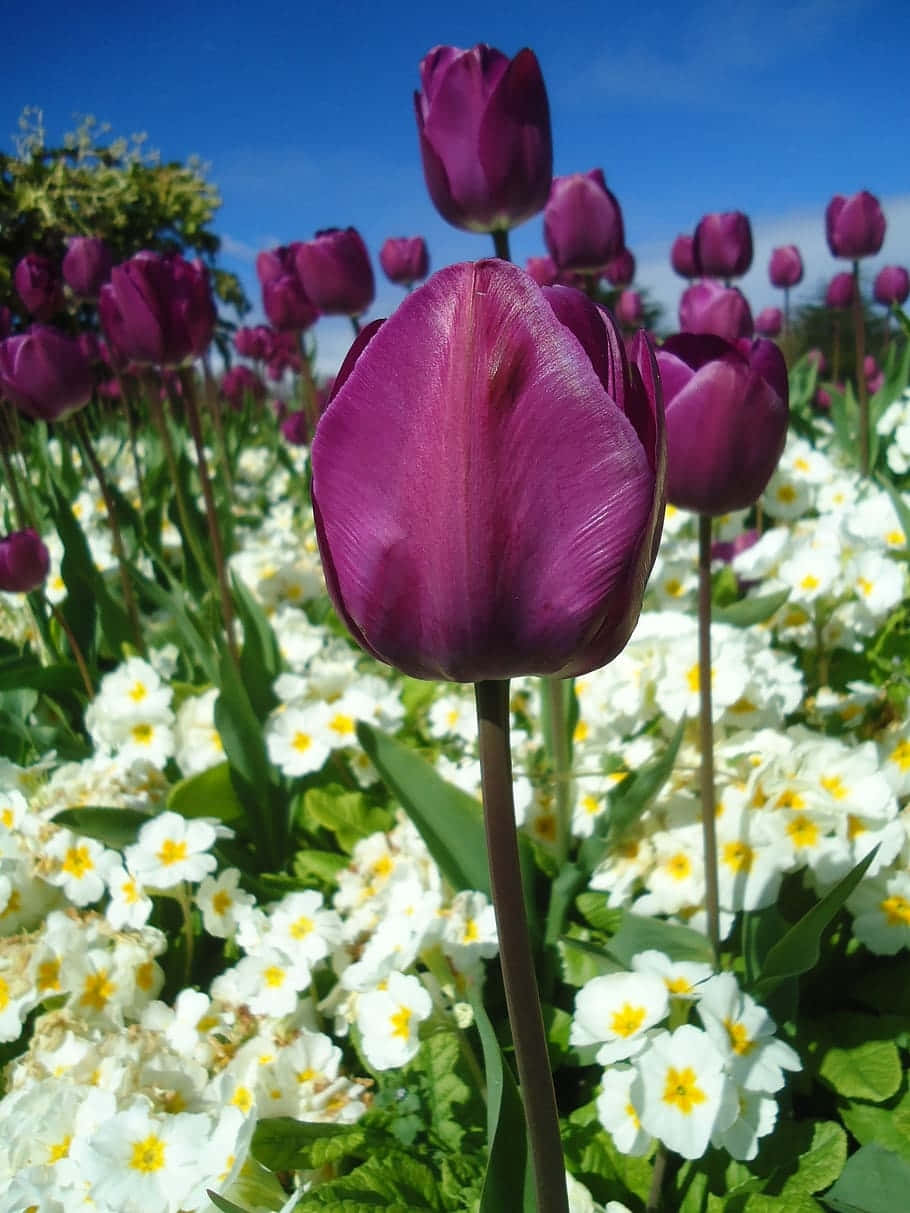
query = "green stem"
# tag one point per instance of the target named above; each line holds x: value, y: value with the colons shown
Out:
x: 501, y: 244
x: 706, y: 731
x: 516, y: 960
x: 12, y: 485
x: 859, y: 333
x: 213, y: 400
x: 188, y: 533
x: 78, y: 655
x: 661, y: 1158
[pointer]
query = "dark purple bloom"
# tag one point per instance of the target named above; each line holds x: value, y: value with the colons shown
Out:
x: 405, y: 259
x: 817, y: 359
x: 769, y: 322
x: 855, y: 227
x: 722, y: 246
x: 38, y: 285
x: 629, y: 309
x: 582, y: 223
x: 682, y: 256
x: 240, y: 384
x: 892, y: 285
x: 336, y: 273
x: 6, y: 322
x: 274, y: 263
x: 621, y: 270
x: 484, y: 126
x: 44, y: 373
x: 543, y: 270
x: 708, y: 307
x: 157, y: 310
x: 253, y: 342
x: 460, y: 541
x: 841, y: 291
x: 24, y: 562
x: 287, y: 305
x: 87, y: 265
x: 785, y: 268
x: 727, y: 412
x: 295, y: 427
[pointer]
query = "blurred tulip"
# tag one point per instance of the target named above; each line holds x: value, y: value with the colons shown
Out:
x: 38, y: 285
x: 253, y: 342
x: 840, y: 292
x: 708, y: 307
x: 295, y: 428
x: 6, y: 322
x: 87, y: 265
x: 276, y: 262
x: 822, y: 400
x: 458, y: 539
x: 892, y: 285
x: 287, y: 305
x: 769, y: 322
x: 682, y: 256
x: 484, y: 126
x: 44, y: 373
x: 818, y: 360
x: 336, y: 273
x: 785, y: 268
x: 240, y: 385
x: 621, y: 270
x: 157, y: 310
x: 24, y: 562
x: 855, y: 226
x: 405, y: 259
x: 629, y: 309
x: 542, y: 269
x: 582, y: 223
x: 722, y: 245
x: 727, y: 407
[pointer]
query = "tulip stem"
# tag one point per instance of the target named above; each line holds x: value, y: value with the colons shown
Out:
x: 501, y: 243
x: 859, y: 332
x: 213, y: 400
x: 516, y: 960
x: 78, y: 655
x: 706, y: 731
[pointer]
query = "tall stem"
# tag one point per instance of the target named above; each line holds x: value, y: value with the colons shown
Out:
x: 859, y: 332
x: 706, y: 730
x: 519, y: 980
x: 213, y: 399
x: 501, y: 244
x: 188, y: 533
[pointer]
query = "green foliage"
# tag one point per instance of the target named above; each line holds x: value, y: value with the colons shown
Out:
x: 875, y: 1180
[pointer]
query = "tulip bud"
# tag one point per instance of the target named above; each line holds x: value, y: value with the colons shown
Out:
x: 44, y: 373
x: 840, y: 292
x: 855, y: 226
x: 287, y: 305
x: 621, y: 270
x: 582, y: 223
x: 487, y: 480
x: 240, y: 384
x: 785, y: 269
x: 295, y: 428
x: 157, y: 310
x: 682, y: 257
x: 708, y: 307
x: 253, y: 342
x: 629, y: 309
x: 769, y: 322
x: 275, y: 263
x: 24, y: 562
x: 542, y: 269
x: 336, y: 273
x: 892, y: 285
x: 405, y: 259
x: 87, y: 265
x: 817, y: 359
x: 38, y: 285
x: 722, y: 246
x: 727, y: 409
x: 484, y: 126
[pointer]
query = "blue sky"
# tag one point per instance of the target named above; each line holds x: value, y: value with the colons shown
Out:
x: 304, y: 113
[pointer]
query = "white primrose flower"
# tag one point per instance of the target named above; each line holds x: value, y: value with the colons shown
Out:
x: 750, y: 868
x: 683, y: 978
x: 298, y: 739
x: 881, y: 912
x: 743, y: 1032
x: 171, y: 848
x: 267, y: 981
x: 618, y: 1009
x: 78, y: 865
x: 469, y: 931
x: 388, y: 1020
x: 618, y: 1114
x: 223, y: 903
x: 197, y: 743
x: 757, y: 1118
x: 302, y: 928
x: 129, y: 905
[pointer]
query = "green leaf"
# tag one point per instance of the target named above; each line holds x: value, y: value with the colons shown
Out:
x: 208, y: 793
x: 323, y: 866
x: 390, y: 1180
x: 594, y: 910
x: 798, y: 951
x: 260, y: 658
x: 582, y: 960
x: 639, y: 934
x: 27, y: 672
x: 439, y: 1058
x: 193, y: 637
x: 750, y: 611
x: 875, y: 1180
x: 346, y: 814
x: 802, y: 1157
x: 79, y: 576
x: 282, y: 1143
x: 116, y: 828
x: 221, y: 1202
x: 888, y: 1127
x: 871, y: 1070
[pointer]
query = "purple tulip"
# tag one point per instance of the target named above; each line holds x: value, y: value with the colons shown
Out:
x: 817, y: 359
x: 287, y: 305
x: 295, y: 428
x: 785, y: 269
x: 822, y: 400
x: 87, y: 265
x: 253, y: 342
x: 722, y: 246
x: 157, y: 310
x: 855, y: 227
x: 582, y: 223
x: 276, y: 262
x: 841, y: 291
x: 240, y: 384
x: 38, y: 285
x: 44, y: 373
x: 708, y: 307
x: 543, y: 270
x: 336, y: 273
x: 484, y: 126
x: 6, y: 322
x: 405, y: 259
x: 24, y: 562
x: 458, y: 538
x: 629, y: 309
x: 682, y: 257
x: 892, y: 285
x: 727, y: 413
x: 621, y: 270
x: 769, y: 322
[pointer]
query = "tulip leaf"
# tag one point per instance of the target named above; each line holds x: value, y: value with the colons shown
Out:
x: 874, y: 1180
x: 208, y: 793
x: 639, y: 934
x: 221, y: 1202
x: 116, y: 828
x: 260, y: 658
x: 79, y: 575
x: 195, y: 641
x: 27, y: 672
x: 749, y: 611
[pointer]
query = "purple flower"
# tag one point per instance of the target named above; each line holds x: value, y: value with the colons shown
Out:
x: 405, y: 259
x: 287, y: 305
x: 336, y: 273
x: 543, y: 270
x: 38, y: 285
x: 240, y: 384
x: 785, y: 268
x: 87, y: 265
x: 769, y: 322
x: 274, y: 263
x: 253, y: 342
x: 44, y: 373
x: 708, y: 307
x: 727, y: 413
x: 722, y: 246
x: 484, y: 126
x: 892, y: 285
x: 487, y: 480
x: 841, y: 291
x: 682, y: 256
x: 24, y: 562
x: 621, y: 270
x: 629, y: 309
x: 582, y: 223
x: 854, y: 227
x: 295, y: 427
x: 157, y: 310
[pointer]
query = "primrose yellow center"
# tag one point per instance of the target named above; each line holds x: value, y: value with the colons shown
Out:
x: 78, y: 861
x: 738, y: 856
x: 222, y: 901
x: 803, y: 832
x: 242, y: 1099
x: 678, y: 985
x: 301, y: 742
x: 343, y: 725
x: 633, y: 1115
x: 274, y: 976
x: 97, y: 990
x: 627, y: 1020
x: 679, y: 866
x: 60, y: 1149
x: 147, y: 1155
x: 48, y: 977
x: 855, y: 826
x: 790, y: 800
x: 809, y: 582
x: 834, y: 786
x: 682, y: 1090
x: 4, y: 995
x: 401, y: 1022
x: 471, y: 934
x: 897, y: 911
x: 673, y: 586
x: 786, y: 493
x: 739, y: 1037
x: 900, y: 755
x: 301, y: 927
x: 581, y: 731
x: 142, y: 734
x: 172, y: 852
x: 137, y: 692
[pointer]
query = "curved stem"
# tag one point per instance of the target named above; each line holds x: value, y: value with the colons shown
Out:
x: 706, y: 731
x: 501, y: 244
x: 519, y: 980
x: 78, y: 655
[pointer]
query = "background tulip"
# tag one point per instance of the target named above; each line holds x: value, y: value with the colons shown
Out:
x: 542, y: 269
x: 727, y: 409
x: 629, y: 309
x: 485, y: 505
x: 484, y: 126
x: 722, y: 245
x: 276, y: 262
x: 855, y: 226
x: 405, y: 259
x: 621, y: 270
x: 253, y: 342
x: 287, y: 305
x: 87, y: 265
x: 841, y: 290
x: 44, y: 373
x: 892, y: 285
x: 240, y: 384
x: 38, y: 285
x: 582, y: 223
x: 785, y: 269
x: 769, y: 322
x: 682, y: 256
x: 336, y: 273
x: 24, y: 562
x: 708, y: 307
